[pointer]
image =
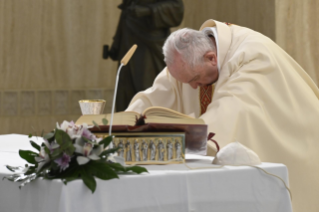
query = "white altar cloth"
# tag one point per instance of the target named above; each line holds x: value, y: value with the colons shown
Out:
x: 165, y: 188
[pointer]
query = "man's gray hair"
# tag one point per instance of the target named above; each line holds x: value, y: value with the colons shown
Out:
x: 191, y: 44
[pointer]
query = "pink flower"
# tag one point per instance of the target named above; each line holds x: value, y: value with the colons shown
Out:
x: 63, y: 161
x: 87, y: 134
x: 77, y: 131
x: 74, y: 131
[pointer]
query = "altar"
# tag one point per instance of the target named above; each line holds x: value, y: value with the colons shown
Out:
x: 197, y: 185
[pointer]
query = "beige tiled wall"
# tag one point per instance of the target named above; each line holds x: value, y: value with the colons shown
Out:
x: 51, y: 51
x: 51, y: 57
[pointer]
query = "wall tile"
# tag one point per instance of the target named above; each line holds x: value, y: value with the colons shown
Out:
x: 27, y: 103
x: 108, y: 96
x: 10, y: 103
x: 60, y: 102
x: 74, y: 104
x: 44, y: 103
x: 94, y: 94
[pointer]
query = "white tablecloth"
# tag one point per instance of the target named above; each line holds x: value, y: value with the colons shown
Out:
x: 165, y: 188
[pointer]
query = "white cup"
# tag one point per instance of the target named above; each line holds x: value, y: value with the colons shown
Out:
x: 92, y: 106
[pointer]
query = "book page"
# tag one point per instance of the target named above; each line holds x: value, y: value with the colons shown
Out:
x: 165, y: 115
x: 121, y: 118
x: 169, y: 120
x: 165, y: 112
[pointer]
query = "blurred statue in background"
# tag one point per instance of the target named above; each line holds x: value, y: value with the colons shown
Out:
x: 144, y: 150
x: 169, y: 150
x: 128, y: 151
x: 178, y: 150
x: 145, y: 23
x: 137, y: 150
x: 153, y: 150
x: 121, y: 150
x: 161, y: 150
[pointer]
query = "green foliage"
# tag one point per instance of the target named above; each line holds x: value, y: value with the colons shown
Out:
x: 136, y: 169
x: 28, y: 156
x: 105, y: 121
x: 101, y: 170
x: 106, y: 141
x: 95, y: 124
x: 35, y: 145
x: 48, y: 136
x: 88, y: 179
x: 65, y: 142
x: 109, y: 151
x: 31, y: 170
x: 50, y: 164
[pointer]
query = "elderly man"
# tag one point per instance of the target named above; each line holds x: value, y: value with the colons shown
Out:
x: 260, y: 97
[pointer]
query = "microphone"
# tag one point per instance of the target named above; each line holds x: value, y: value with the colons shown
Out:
x: 124, y: 61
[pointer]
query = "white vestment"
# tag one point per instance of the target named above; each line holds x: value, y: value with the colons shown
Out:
x: 262, y: 99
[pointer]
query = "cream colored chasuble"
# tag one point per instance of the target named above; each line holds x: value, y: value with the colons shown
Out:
x: 262, y: 99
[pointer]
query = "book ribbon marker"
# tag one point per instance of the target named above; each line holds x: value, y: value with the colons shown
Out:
x: 124, y: 61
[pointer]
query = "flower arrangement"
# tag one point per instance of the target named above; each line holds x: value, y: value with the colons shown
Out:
x: 68, y: 153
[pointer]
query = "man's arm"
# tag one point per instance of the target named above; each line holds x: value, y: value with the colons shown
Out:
x: 164, y: 92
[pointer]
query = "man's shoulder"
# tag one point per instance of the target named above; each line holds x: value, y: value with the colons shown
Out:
x: 249, y: 41
x: 247, y: 46
x: 245, y: 34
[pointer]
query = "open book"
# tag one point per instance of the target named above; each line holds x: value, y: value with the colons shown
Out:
x: 154, y: 119
x: 153, y: 114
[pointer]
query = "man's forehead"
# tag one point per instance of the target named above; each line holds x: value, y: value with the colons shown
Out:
x: 180, y: 73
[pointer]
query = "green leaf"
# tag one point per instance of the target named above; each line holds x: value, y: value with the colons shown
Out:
x: 65, y: 142
x: 117, y: 167
x: 87, y: 140
x: 105, y: 121
x: 46, y: 149
x: 30, y: 135
x: 56, y: 153
x: 136, y: 169
x: 62, y: 137
x: 28, y: 156
x: 109, y: 151
x: 32, y: 169
x: 73, y: 171
x: 48, y: 136
x: 46, y: 166
x: 35, y: 145
x: 88, y: 179
x: 95, y: 124
x: 69, y: 179
x: 101, y: 170
x: 106, y: 141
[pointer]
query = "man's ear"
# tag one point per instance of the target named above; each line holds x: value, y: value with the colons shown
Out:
x: 211, y: 57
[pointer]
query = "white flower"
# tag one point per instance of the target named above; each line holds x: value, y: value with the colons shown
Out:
x: 74, y: 131
x: 42, y: 159
x: 77, y: 131
x: 43, y: 156
x: 87, y: 150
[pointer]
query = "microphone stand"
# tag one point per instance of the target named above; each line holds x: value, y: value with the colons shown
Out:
x: 124, y: 61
